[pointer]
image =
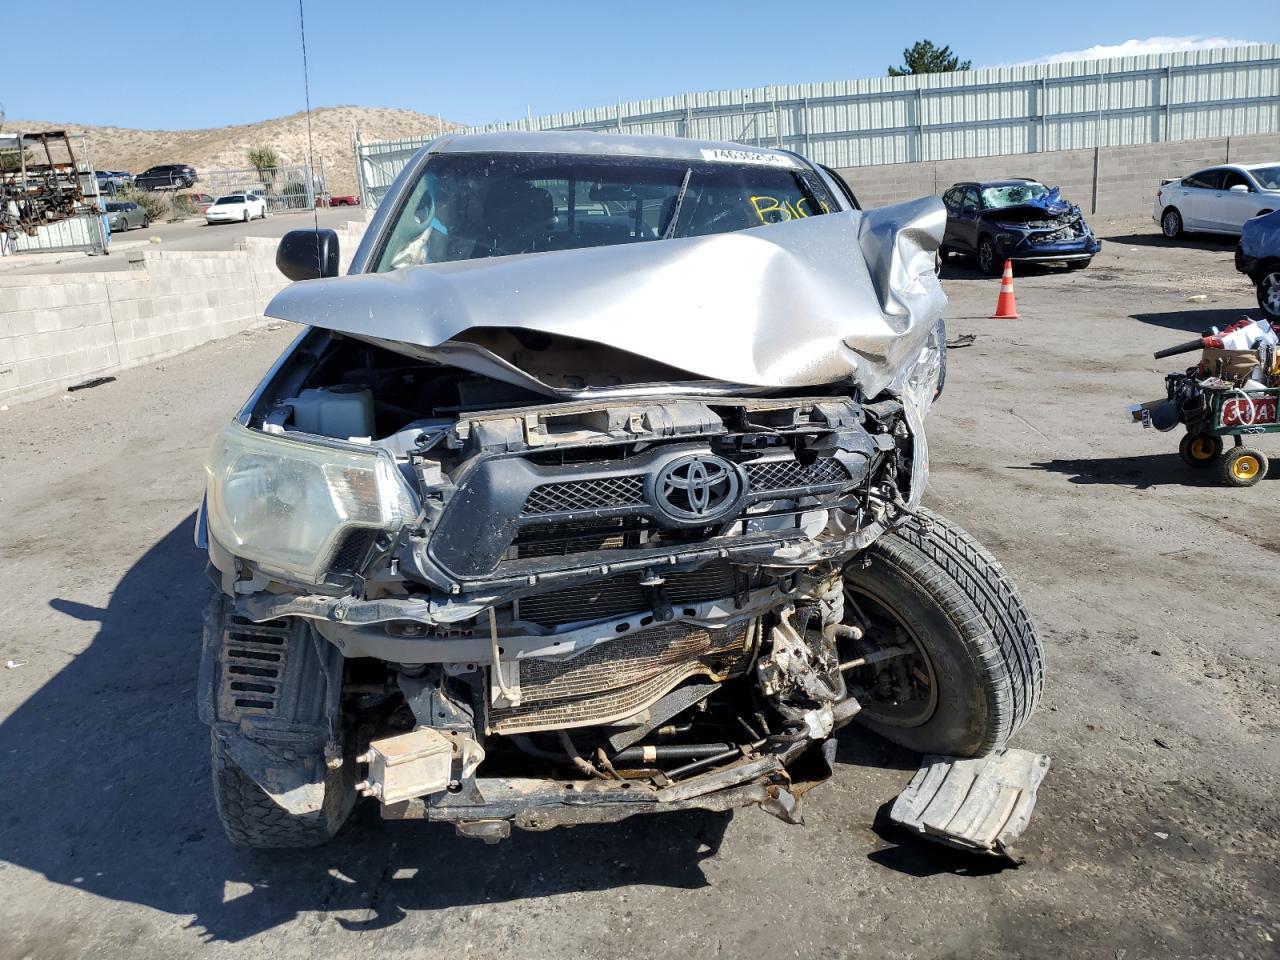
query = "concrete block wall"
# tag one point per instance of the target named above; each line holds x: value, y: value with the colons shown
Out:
x: 59, y: 329
x: 1126, y: 177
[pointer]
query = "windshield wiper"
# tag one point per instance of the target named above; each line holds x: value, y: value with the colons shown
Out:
x: 668, y: 233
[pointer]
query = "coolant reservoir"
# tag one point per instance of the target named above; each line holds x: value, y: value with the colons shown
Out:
x: 341, y: 411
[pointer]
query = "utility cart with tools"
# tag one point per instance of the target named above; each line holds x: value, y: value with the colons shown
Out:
x: 1234, y: 391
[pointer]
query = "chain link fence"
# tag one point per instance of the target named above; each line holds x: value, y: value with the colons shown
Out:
x: 284, y: 188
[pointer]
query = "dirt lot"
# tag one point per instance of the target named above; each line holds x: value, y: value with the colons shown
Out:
x: 1155, y: 590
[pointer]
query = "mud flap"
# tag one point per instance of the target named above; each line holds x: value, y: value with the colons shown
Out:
x: 981, y: 805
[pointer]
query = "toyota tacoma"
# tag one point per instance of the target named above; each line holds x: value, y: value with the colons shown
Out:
x: 593, y: 489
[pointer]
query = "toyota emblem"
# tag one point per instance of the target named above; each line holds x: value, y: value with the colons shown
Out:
x: 698, y: 488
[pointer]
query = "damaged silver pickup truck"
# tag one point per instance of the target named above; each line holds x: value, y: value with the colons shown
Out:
x: 594, y: 490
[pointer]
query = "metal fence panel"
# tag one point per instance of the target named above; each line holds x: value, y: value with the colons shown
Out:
x: 285, y: 188
x: 72, y: 234
x: 1192, y: 95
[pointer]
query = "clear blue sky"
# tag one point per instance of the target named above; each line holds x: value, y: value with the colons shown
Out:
x: 234, y: 61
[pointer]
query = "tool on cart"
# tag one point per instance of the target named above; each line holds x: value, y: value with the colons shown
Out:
x: 1234, y: 391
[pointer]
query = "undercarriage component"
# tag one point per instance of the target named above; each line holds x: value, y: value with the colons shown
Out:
x: 414, y: 764
x: 612, y: 681
x: 541, y: 804
x: 982, y: 805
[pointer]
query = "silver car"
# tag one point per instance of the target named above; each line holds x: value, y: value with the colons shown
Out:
x: 1217, y: 199
x: 125, y: 215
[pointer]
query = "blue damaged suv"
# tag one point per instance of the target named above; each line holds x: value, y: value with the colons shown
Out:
x: 1015, y: 219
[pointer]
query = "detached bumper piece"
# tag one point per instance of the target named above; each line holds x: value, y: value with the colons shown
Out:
x: 980, y: 805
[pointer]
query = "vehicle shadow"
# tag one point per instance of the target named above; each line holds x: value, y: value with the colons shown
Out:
x: 106, y: 790
x: 1194, y: 322
x: 966, y: 268
x: 917, y: 857
x: 1188, y: 241
x: 1140, y: 473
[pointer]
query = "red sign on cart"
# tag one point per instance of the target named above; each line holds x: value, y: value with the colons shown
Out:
x: 1238, y: 412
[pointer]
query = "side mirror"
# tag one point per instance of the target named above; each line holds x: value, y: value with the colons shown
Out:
x: 1239, y: 188
x: 308, y: 254
x: 969, y: 208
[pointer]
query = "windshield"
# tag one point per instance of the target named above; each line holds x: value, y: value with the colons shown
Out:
x: 1010, y: 195
x: 470, y: 205
x: 1268, y: 177
x: 114, y: 207
x: 224, y: 201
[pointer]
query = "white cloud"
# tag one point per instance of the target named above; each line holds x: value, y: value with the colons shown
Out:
x: 1132, y: 48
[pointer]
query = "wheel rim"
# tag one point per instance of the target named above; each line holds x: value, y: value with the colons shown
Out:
x: 985, y: 256
x: 1245, y: 467
x: 887, y: 681
x: 1171, y: 224
x: 1271, y: 292
x: 1201, y: 449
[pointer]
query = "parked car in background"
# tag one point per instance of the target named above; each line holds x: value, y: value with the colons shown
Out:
x: 167, y: 176
x: 125, y: 215
x: 1217, y: 199
x: 200, y: 202
x: 110, y: 182
x: 241, y: 207
x: 1015, y: 219
x: 1258, y: 256
x: 346, y: 200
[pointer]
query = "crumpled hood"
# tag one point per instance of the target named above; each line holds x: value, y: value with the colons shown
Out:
x: 844, y: 296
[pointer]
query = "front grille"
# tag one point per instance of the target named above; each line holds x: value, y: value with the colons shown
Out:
x: 711, y: 582
x: 618, y: 678
x: 585, y: 495
x: 622, y: 595
x: 567, y: 539
x: 628, y: 491
x: 600, y: 600
x: 253, y: 665
x: 790, y: 475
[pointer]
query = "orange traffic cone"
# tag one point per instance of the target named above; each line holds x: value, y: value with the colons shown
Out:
x: 1006, y: 305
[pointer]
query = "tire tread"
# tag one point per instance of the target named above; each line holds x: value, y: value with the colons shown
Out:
x: 251, y: 818
x: 963, y: 576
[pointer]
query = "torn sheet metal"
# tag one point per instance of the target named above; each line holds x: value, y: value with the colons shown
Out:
x: 982, y: 805
x: 840, y: 297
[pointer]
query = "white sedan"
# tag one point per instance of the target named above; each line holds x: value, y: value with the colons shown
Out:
x: 1217, y: 199
x: 236, y: 207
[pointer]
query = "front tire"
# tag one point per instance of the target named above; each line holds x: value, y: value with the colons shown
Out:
x: 977, y: 670
x: 987, y: 257
x: 1171, y: 223
x: 252, y: 819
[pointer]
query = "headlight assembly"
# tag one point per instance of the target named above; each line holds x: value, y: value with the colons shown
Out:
x: 922, y: 382
x: 286, y: 503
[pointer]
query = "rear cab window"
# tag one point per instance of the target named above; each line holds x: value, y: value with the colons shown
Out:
x: 472, y: 205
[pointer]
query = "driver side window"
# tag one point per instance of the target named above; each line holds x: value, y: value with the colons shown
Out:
x: 1233, y: 177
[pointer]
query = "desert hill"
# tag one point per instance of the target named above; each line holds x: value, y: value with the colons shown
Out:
x: 332, y: 128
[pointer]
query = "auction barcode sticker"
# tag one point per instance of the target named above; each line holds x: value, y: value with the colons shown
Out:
x: 726, y: 155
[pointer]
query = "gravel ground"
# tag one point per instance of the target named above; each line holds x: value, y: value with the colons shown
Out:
x: 1155, y: 590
